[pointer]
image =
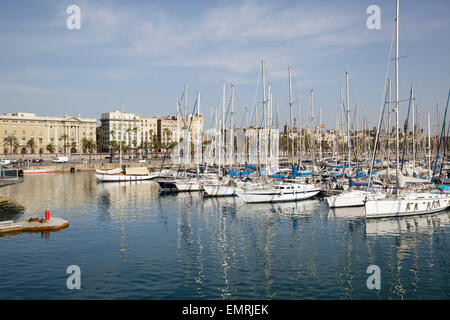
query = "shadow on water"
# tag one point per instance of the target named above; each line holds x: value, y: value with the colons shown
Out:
x: 11, y: 211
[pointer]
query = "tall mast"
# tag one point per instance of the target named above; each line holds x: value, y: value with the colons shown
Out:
x: 341, y: 104
x: 413, y: 107
x: 185, y: 105
x: 298, y: 128
x: 199, y: 134
x: 263, y: 106
x: 222, y: 129
x: 320, y: 133
x: 231, y: 127
x: 313, y: 130
x: 429, y: 146
x: 396, y: 98
x: 348, y: 124
x: 178, y: 135
x: 356, y: 135
x: 121, y: 134
x: 389, y: 127
x: 290, y: 112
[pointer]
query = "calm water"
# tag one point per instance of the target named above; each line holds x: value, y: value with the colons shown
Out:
x: 132, y: 243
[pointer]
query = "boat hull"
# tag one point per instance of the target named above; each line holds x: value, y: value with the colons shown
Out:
x: 219, y: 190
x: 397, y: 207
x: 188, y: 186
x: 268, y: 196
x: 122, y: 178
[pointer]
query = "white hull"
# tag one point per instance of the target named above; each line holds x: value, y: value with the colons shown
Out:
x: 219, y: 190
x: 276, y: 195
x: 351, y: 199
x: 188, y: 186
x: 408, y: 205
x: 122, y: 178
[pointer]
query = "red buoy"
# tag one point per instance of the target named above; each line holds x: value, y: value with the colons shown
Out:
x: 47, y: 215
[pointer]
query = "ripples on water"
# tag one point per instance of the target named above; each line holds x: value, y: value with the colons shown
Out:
x: 133, y: 243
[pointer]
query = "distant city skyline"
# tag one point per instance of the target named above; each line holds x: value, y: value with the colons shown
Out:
x: 146, y: 53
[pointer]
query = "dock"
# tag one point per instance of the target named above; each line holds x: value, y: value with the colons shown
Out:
x: 54, y: 224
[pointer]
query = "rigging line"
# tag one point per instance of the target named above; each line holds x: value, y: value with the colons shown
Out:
x: 254, y: 97
x: 382, y: 102
x: 405, y: 131
x: 440, y: 139
x: 189, y: 129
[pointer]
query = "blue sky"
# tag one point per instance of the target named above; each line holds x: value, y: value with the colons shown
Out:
x: 147, y: 51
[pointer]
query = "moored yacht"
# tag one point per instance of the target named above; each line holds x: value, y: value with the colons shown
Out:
x: 283, y: 191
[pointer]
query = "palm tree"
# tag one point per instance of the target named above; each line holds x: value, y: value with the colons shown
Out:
x: 31, y: 144
x: 50, y: 148
x: 73, y: 145
x: 113, y: 146
x: 65, y: 137
x: 88, y: 145
x: 10, y: 141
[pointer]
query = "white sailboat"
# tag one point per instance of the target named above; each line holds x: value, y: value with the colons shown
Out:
x: 353, y: 198
x: 283, y: 191
x: 407, y: 203
x: 129, y: 174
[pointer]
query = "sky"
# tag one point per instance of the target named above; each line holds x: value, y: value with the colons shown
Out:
x: 146, y: 52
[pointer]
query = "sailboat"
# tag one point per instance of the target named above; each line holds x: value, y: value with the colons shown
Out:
x: 351, y: 198
x: 126, y: 174
x: 286, y: 190
x: 406, y: 203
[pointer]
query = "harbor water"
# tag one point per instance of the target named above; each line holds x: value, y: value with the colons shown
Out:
x: 131, y: 242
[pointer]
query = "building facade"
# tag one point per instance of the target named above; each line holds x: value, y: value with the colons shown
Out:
x: 117, y: 126
x: 63, y: 133
x: 138, y: 129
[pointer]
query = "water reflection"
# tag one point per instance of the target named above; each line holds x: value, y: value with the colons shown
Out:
x: 185, y: 246
x: 421, y: 223
x: 11, y: 211
x: 347, y: 213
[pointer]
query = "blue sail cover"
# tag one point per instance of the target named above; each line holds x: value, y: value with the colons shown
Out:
x: 247, y: 166
x: 360, y: 175
x: 240, y: 174
x: 444, y: 187
x: 277, y: 176
x: 295, y: 172
x: 352, y: 183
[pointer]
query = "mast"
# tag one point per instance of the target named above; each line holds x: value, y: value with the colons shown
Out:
x: 348, y: 124
x: 341, y: 102
x: 121, y: 134
x: 413, y: 129
x: 396, y: 99
x: 320, y: 134
x: 389, y: 127
x: 231, y: 127
x: 313, y: 130
x: 290, y: 113
x: 429, y: 146
x: 199, y: 135
x: 356, y: 136
x: 222, y: 140
x: 298, y: 128
x: 178, y: 130
x: 264, y: 108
